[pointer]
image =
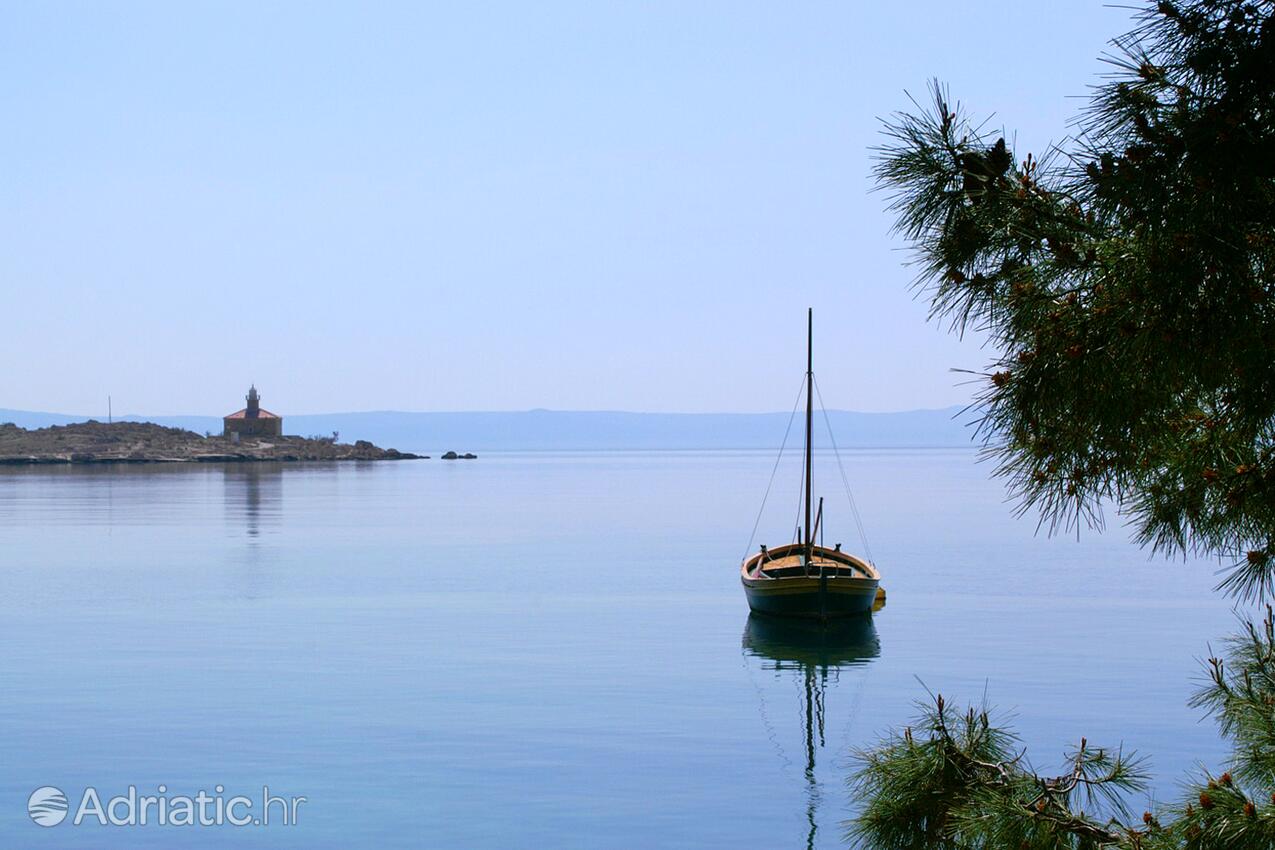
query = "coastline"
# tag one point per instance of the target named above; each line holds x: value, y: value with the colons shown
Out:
x: 95, y: 442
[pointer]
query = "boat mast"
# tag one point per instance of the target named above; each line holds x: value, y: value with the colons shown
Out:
x: 810, y: 418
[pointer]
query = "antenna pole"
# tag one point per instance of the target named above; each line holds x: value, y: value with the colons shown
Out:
x: 109, y: 418
x: 810, y: 418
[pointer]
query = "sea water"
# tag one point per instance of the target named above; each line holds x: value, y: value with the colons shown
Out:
x: 547, y: 650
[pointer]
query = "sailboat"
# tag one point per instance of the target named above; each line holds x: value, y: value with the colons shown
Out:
x: 805, y: 579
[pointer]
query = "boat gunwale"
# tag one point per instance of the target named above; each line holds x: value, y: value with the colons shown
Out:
x: 749, y: 571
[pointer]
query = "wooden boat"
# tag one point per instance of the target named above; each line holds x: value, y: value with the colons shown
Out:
x: 803, y: 579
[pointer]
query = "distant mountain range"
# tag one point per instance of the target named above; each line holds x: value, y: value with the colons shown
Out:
x: 563, y: 430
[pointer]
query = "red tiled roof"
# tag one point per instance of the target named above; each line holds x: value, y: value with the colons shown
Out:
x: 261, y: 414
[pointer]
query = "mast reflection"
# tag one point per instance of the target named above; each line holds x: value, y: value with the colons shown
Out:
x: 814, y: 653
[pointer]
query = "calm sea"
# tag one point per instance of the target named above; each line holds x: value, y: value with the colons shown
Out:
x: 546, y: 650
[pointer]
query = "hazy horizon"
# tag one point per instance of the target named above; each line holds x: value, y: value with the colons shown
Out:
x: 549, y: 430
x: 472, y: 208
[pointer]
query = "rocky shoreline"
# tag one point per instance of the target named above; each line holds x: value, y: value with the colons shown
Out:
x: 145, y: 442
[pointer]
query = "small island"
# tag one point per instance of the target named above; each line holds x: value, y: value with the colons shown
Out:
x: 146, y: 442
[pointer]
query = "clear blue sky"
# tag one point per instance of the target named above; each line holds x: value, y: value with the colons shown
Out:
x: 467, y: 206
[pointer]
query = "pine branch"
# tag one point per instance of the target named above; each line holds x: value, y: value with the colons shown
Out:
x: 1126, y: 283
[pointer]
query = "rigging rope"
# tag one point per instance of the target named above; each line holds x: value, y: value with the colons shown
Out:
x: 854, y: 509
x: 797, y: 536
x: 801, y: 493
x: 775, y: 469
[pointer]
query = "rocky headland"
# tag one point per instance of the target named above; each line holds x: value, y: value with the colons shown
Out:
x: 146, y: 442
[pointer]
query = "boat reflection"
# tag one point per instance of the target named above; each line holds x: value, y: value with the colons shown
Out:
x: 814, y: 654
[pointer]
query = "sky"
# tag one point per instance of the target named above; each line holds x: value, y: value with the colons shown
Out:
x: 488, y: 206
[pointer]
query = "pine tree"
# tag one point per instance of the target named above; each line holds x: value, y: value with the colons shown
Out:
x: 957, y: 781
x: 1126, y: 282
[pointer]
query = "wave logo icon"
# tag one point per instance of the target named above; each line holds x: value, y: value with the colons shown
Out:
x: 47, y: 806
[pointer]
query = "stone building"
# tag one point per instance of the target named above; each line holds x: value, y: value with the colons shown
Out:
x: 253, y: 420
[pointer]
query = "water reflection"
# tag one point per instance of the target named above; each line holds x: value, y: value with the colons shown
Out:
x: 814, y: 655
x: 253, y: 495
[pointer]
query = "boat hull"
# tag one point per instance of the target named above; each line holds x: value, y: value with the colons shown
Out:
x: 802, y: 597
x: 778, y: 582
